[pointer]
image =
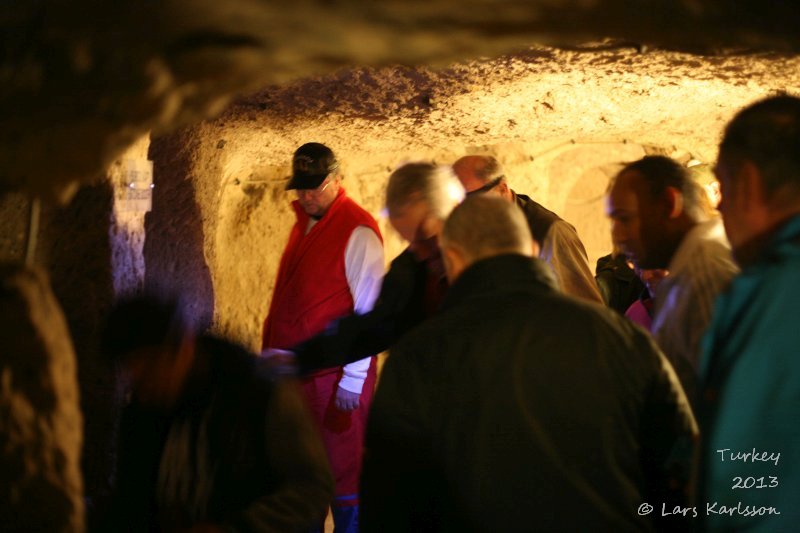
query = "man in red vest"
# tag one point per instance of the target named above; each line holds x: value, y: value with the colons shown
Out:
x: 332, y: 266
x: 419, y: 197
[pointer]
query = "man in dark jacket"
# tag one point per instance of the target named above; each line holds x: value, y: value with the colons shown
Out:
x: 559, y: 244
x: 419, y: 197
x: 750, y: 370
x: 209, y: 441
x: 517, y: 408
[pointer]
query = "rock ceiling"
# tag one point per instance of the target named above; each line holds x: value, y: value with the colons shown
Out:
x: 81, y: 80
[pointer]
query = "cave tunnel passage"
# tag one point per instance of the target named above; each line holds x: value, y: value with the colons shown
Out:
x: 217, y: 218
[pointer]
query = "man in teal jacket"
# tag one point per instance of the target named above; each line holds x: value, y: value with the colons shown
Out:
x: 750, y: 470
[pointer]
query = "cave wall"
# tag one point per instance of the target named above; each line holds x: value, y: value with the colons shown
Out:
x: 74, y: 248
x: 87, y: 253
x: 174, y: 246
x: 41, y: 482
x: 560, y: 121
x: 14, y: 223
x: 57, y: 419
x: 83, y: 79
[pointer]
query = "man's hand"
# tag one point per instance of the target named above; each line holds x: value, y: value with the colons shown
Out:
x: 346, y: 400
x: 280, y: 362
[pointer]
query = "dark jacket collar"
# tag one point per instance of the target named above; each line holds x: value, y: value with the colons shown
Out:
x: 539, y: 217
x: 502, y: 272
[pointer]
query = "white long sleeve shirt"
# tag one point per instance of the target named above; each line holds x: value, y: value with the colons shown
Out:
x: 700, y: 270
x: 364, y: 269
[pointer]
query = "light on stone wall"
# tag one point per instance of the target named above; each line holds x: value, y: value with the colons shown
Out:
x: 136, y: 195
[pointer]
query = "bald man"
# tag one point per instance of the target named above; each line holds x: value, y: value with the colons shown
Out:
x: 559, y: 244
x: 494, y: 416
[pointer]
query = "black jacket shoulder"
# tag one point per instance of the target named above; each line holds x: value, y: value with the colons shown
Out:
x: 398, y: 308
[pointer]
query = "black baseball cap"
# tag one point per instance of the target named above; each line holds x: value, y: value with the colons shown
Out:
x: 311, y: 164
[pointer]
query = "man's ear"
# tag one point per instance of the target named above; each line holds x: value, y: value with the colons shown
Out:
x: 504, y: 190
x: 750, y: 186
x: 674, y: 199
x: 455, y: 261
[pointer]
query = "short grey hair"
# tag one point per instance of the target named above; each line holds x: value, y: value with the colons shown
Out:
x: 491, y: 169
x: 485, y: 226
x: 436, y: 185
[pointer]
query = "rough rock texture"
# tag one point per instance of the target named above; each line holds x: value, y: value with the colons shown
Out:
x: 93, y: 248
x: 560, y: 121
x: 74, y: 247
x: 14, y: 223
x: 40, y: 421
x: 175, y: 238
x: 127, y: 233
x: 81, y: 80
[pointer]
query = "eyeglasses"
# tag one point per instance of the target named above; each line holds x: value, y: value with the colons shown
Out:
x: 315, y: 192
x: 488, y: 187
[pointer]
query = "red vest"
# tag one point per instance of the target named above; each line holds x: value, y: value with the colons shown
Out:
x: 311, y: 289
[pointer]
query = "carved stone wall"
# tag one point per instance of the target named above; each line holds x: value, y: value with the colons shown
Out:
x: 560, y: 121
x: 83, y: 79
x: 40, y: 422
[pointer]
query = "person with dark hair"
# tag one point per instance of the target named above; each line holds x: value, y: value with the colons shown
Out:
x: 494, y: 415
x: 657, y: 219
x: 558, y: 243
x: 750, y: 368
x: 209, y: 441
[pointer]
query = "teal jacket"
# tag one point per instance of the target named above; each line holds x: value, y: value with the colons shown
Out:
x: 750, y: 372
